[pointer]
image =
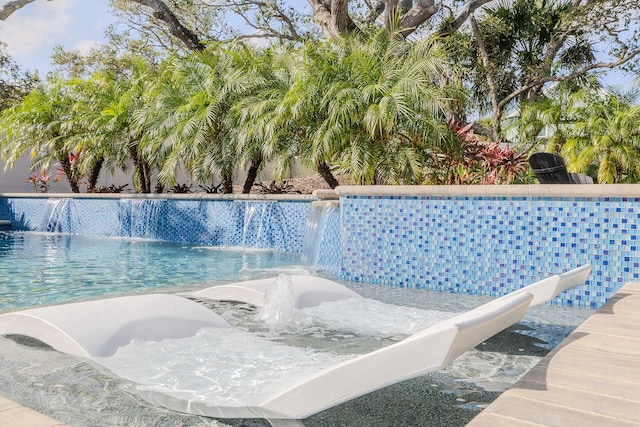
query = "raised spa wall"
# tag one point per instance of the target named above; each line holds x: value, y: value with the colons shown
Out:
x: 473, y: 239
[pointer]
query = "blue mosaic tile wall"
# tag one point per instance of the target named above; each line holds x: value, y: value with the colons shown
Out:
x: 490, y: 245
x: 330, y: 251
x: 481, y: 245
x: 257, y: 224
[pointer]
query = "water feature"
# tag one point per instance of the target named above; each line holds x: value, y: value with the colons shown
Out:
x: 263, y: 225
x: 140, y: 218
x: 60, y: 217
x: 279, y: 304
x: 316, y: 226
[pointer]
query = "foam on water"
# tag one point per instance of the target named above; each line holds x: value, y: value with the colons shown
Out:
x: 219, y: 367
x: 370, y: 317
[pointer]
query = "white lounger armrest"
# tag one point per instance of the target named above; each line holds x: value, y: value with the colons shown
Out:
x: 419, y: 354
x: 547, y: 289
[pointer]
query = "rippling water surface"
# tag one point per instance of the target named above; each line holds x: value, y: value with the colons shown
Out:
x: 43, y: 269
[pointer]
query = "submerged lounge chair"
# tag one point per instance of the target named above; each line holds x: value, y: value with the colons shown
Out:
x: 308, y: 291
x: 96, y: 329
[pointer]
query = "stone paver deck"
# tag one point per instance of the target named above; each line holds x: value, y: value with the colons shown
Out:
x: 591, y: 379
x: 14, y: 415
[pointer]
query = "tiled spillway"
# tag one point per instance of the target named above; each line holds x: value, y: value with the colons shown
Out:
x: 591, y: 379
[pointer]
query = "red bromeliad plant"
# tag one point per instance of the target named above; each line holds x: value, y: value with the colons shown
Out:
x: 71, y: 171
x: 472, y: 160
x: 40, y: 182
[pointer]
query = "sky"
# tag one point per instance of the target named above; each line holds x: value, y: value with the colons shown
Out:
x: 32, y: 32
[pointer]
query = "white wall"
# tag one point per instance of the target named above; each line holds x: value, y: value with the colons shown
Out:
x: 13, y: 180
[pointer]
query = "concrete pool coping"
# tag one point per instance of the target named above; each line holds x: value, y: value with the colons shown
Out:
x: 515, y: 190
x: 511, y: 190
x: 590, y: 379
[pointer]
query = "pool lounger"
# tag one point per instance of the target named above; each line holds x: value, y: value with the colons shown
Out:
x: 96, y: 329
x: 308, y: 291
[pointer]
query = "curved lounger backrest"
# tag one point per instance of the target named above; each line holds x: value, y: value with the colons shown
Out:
x: 421, y: 353
x: 308, y: 291
x: 98, y: 328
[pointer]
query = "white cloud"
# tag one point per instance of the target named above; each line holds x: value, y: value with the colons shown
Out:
x: 84, y: 46
x: 37, y: 27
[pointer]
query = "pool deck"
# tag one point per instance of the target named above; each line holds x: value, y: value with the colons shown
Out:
x: 14, y: 415
x: 591, y: 379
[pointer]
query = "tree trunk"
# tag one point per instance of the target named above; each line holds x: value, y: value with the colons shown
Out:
x: 146, y: 169
x: 65, y: 164
x: 227, y: 183
x: 252, y: 174
x: 333, y: 17
x: 488, y: 67
x: 139, y: 182
x: 94, y: 173
x: 325, y: 173
x: 179, y: 31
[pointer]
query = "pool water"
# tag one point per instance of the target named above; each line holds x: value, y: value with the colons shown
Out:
x: 41, y: 268
x: 56, y: 268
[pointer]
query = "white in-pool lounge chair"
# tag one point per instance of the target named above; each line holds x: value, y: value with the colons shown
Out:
x: 308, y: 291
x: 96, y: 329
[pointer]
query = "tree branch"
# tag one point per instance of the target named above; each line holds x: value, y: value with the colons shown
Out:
x: 600, y: 65
x: 9, y: 8
x: 464, y: 14
x: 417, y: 15
x: 163, y: 13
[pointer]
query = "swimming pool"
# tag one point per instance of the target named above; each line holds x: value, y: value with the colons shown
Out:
x: 39, y: 268
x: 44, y: 268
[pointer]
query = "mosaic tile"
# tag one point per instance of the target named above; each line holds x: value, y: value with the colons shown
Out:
x: 489, y: 246
x: 276, y: 225
x: 477, y: 245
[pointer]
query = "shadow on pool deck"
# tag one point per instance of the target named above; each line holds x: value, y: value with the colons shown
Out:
x: 590, y: 379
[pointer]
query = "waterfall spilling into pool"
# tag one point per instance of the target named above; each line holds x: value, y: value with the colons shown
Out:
x: 263, y: 225
x: 320, y: 214
x: 140, y: 218
x: 60, y: 216
x: 247, y: 223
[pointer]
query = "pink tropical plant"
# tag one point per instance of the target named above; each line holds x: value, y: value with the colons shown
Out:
x: 73, y: 172
x: 473, y: 160
x: 40, y: 182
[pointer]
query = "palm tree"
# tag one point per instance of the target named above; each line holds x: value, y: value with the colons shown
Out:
x: 596, y: 131
x: 274, y: 70
x: 517, y: 44
x: 381, y: 107
x: 43, y: 124
x: 605, y: 133
x: 118, y: 100
x: 192, y: 122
